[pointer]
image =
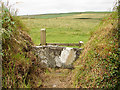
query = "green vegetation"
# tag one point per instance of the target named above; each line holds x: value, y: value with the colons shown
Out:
x: 67, y: 29
x: 98, y: 66
x: 20, y: 68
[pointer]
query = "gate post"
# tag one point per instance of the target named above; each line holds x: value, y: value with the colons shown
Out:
x: 43, y: 37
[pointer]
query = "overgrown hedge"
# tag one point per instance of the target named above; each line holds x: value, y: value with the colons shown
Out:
x: 20, y: 67
x: 99, y: 65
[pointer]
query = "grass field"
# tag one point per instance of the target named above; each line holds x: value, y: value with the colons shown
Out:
x: 64, y: 28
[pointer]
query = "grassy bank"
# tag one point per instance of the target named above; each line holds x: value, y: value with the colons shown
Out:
x: 65, y: 29
x: 98, y: 65
x: 20, y: 68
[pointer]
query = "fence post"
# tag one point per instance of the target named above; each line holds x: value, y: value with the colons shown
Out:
x: 43, y: 37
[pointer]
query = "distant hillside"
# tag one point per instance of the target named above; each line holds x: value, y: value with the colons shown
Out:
x: 55, y: 15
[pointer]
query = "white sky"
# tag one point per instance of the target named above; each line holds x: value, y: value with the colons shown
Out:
x: 27, y: 7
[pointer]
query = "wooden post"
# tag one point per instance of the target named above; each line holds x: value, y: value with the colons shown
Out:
x: 43, y: 37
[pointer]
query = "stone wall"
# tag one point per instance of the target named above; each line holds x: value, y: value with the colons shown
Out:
x: 55, y: 56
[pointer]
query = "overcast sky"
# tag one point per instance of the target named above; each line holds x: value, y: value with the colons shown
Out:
x: 27, y: 7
